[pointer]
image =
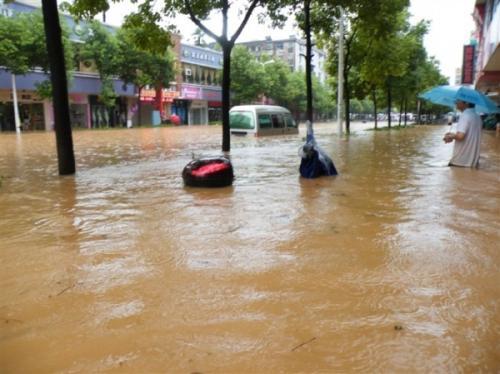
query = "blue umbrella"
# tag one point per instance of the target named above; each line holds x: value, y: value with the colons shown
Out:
x: 448, y: 95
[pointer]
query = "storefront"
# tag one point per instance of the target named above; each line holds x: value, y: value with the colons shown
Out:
x: 181, y: 109
x: 103, y: 116
x: 149, y: 107
x: 31, y: 111
x: 86, y: 111
x: 79, y: 111
x: 198, y: 112
x: 202, y: 103
x: 214, y: 111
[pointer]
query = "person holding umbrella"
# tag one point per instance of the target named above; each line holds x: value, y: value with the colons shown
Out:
x: 467, y: 137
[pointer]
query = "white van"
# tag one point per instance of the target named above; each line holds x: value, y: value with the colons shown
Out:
x: 261, y: 120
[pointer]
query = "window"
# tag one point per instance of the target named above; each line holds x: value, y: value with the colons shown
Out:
x: 290, y: 123
x: 241, y: 120
x: 264, y: 121
x: 278, y: 122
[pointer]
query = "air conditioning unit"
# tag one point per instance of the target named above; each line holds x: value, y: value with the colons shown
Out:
x: 188, y: 72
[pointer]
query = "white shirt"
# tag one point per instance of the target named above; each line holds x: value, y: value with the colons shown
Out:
x: 466, y: 152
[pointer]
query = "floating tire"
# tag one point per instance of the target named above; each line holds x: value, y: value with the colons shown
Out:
x: 208, y: 172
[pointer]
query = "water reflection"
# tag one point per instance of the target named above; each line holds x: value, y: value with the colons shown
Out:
x: 390, y: 266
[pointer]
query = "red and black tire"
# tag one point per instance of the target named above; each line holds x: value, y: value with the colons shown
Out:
x: 208, y: 172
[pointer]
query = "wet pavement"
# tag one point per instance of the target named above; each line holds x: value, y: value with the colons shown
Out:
x: 391, y: 266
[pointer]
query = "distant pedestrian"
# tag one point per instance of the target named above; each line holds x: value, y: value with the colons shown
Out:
x: 467, y: 137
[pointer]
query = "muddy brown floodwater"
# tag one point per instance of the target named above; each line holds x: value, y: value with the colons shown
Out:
x: 393, y: 266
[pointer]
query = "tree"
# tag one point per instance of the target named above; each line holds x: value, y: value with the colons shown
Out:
x: 312, y: 16
x: 369, y: 26
x: 322, y: 99
x: 100, y: 48
x: 296, y: 99
x: 247, y: 76
x: 197, y: 11
x: 143, y: 62
x: 23, y: 48
x: 277, y: 79
x: 26, y: 39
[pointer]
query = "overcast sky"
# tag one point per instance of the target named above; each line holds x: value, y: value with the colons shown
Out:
x: 450, y: 28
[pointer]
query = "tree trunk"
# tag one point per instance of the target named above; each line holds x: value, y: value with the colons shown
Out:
x: 346, y: 87
x: 139, y: 107
x: 375, y: 107
x: 400, y: 113
x: 226, y: 103
x: 418, y: 111
x: 389, y: 103
x: 159, y: 100
x: 406, y: 111
x: 62, y: 122
x: 347, y: 110
x: 307, y: 8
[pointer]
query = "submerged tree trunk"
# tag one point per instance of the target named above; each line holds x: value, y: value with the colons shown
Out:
x: 389, y: 103
x: 139, y: 106
x: 346, y: 87
x: 347, y: 100
x: 400, y: 113
x: 226, y: 99
x: 62, y: 122
x: 307, y: 9
x: 159, y: 100
x: 418, y: 111
x: 406, y: 111
x: 374, y: 95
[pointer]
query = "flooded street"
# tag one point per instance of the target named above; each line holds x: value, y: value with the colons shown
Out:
x: 392, y: 266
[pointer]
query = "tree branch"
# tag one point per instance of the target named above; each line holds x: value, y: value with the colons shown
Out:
x: 245, y: 20
x: 225, y: 8
x: 198, y: 23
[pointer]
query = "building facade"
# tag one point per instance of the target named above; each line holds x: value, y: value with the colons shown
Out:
x: 195, y: 95
x: 487, y: 49
x: 292, y: 51
x: 198, y: 82
x: 84, y: 88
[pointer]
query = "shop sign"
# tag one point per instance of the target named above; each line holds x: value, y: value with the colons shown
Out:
x: 468, y: 65
x: 21, y: 96
x: 167, y: 96
x: 212, y: 95
x: 191, y: 92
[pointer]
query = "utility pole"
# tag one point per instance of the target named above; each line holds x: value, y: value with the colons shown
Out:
x: 16, y: 105
x: 340, y: 87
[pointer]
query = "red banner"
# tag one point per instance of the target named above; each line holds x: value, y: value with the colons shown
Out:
x: 468, y: 65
